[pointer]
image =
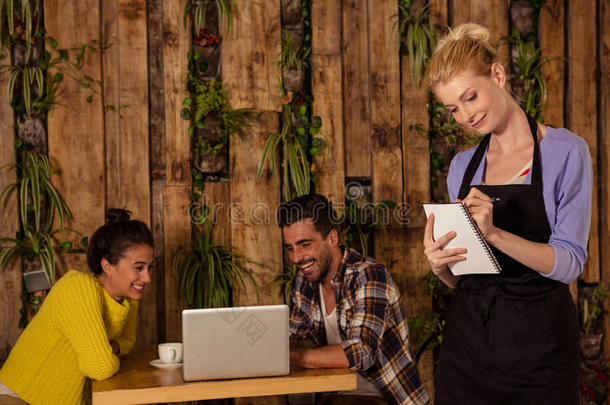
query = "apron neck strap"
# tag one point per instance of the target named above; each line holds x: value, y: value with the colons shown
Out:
x: 482, y: 148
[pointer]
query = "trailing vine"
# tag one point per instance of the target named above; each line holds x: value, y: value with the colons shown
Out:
x: 34, y: 74
x: 300, y: 137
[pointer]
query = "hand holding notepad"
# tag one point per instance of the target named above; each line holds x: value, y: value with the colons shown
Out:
x: 455, y: 217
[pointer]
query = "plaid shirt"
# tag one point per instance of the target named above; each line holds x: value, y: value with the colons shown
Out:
x: 374, y: 333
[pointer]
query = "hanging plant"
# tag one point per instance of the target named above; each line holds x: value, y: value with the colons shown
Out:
x: 198, y: 7
x: 294, y: 142
x: 527, y: 82
x: 36, y: 236
x: 416, y: 35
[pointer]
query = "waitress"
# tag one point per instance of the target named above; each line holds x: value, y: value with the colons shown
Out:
x: 511, y: 338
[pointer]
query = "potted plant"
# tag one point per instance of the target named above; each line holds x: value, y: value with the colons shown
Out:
x: 213, y: 121
x: 591, y: 309
x: 39, y: 205
x: 208, y: 273
x: 594, y: 370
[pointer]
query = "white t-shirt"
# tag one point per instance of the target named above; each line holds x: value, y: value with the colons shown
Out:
x: 331, y: 325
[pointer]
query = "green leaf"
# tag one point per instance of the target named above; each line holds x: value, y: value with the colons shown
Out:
x: 89, y: 98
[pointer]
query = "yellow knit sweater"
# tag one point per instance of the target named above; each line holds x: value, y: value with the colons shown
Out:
x: 68, y: 341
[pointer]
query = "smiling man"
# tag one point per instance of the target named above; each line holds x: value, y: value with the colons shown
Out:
x: 349, y: 305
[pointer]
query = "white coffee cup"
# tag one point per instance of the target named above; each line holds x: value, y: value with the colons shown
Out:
x: 170, y: 353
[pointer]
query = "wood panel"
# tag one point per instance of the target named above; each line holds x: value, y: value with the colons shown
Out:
x: 10, y: 275
x: 552, y: 45
x: 126, y: 87
x: 156, y: 125
x: 357, y: 128
x: 492, y: 14
x: 254, y: 230
x: 409, y: 271
x: 253, y: 224
x: 581, y: 111
x: 217, y: 197
x: 330, y: 169
x: 176, y: 235
x: 326, y: 28
x: 439, y: 10
x: 415, y: 147
x: 384, y: 70
x: 177, y: 191
x: 76, y: 132
x: 327, y: 83
x: 249, y: 52
x: 604, y: 163
x: 127, y: 152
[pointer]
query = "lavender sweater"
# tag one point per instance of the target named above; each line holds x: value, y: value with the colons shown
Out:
x: 567, y: 181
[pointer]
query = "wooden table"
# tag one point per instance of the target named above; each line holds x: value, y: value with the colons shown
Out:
x: 137, y: 382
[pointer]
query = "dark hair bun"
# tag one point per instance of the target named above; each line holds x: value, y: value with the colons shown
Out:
x: 114, y: 215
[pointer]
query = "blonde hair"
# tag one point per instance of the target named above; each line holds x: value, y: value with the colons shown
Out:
x: 466, y: 46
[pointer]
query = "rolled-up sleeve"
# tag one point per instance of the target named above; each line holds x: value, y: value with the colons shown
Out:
x: 367, y: 320
x: 573, y: 197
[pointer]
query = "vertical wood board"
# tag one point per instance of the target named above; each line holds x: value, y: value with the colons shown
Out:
x: 552, y: 45
x: 326, y: 27
x: 327, y: 80
x: 330, y: 168
x: 254, y: 230
x: 10, y: 275
x: 492, y: 14
x: 384, y: 70
x: 582, y: 109
x: 249, y: 52
x: 356, y: 104
x: 604, y: 164
x: 76, y: 132
x: 177, y: 235
x: 415, y: 148
x: 176, y: 44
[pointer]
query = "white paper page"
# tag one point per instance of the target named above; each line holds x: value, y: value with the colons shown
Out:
x: 451, y: 217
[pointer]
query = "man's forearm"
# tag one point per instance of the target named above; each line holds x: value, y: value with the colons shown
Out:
x: 320, y: 357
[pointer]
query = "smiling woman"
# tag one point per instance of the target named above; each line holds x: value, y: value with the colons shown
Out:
x: 86, y: 322
x: 519, y: 327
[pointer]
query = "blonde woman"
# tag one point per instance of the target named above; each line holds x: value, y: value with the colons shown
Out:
x: 510, y: 338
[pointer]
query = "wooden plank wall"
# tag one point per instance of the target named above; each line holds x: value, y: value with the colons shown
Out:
x: 363, y: 92
x: 10, y: 276
x: 581, y: 106
x: 604, y: 155
x: 327, y: 83
x: 124, y: 67
x: 76, y: 133
x: 356, y: 97
x: 178, y: 172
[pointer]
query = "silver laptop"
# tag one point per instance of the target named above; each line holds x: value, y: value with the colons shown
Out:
x: 235, y: 342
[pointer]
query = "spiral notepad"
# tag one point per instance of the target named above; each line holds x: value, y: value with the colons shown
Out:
x: 480, y: 259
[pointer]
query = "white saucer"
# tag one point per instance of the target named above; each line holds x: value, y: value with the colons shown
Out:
x: 165, y: 366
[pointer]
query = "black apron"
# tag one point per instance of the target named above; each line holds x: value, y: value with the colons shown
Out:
x: 511, y: 338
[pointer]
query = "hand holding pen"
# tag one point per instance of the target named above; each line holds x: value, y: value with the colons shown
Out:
x: 480, y: 206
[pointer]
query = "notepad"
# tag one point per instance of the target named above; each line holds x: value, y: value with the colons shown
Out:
x: 455, y: 217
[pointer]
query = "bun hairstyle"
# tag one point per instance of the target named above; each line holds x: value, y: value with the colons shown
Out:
x: 111, y: 240
x: 466, y: 46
